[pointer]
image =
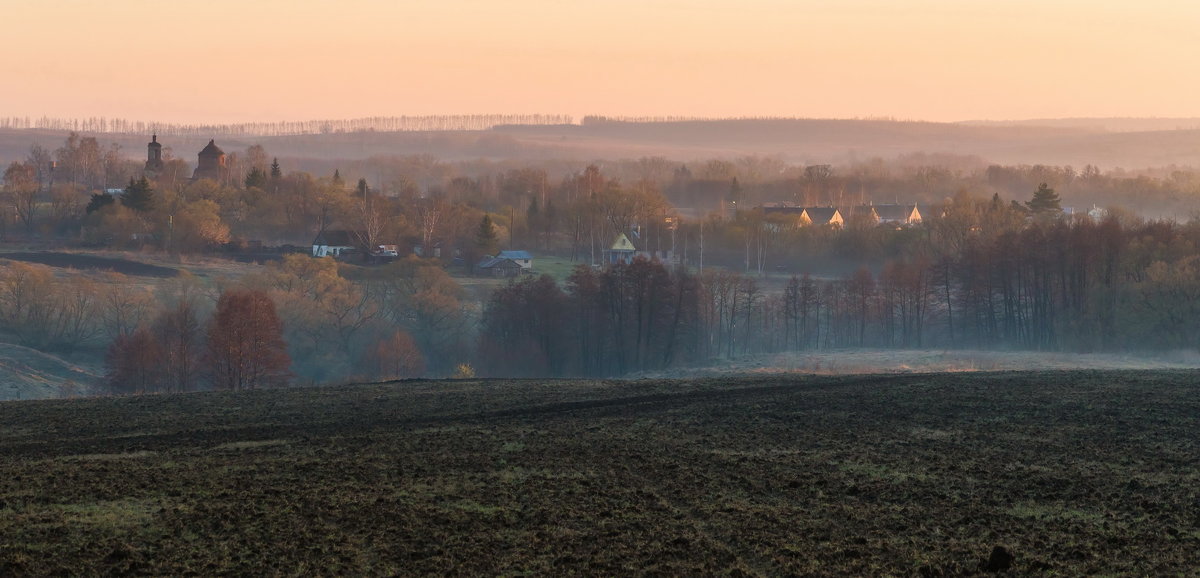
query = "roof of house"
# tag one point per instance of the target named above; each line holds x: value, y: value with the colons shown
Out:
x: 336, y: 238
x: 782, y: 209
x: 867, y: 211
x: 497, y: 262
x: 622, y: 243
x: 822, y: 215
x: 212, y: 149
x: 931, y: 210
x: 515, y: 255
x: 897, y: 212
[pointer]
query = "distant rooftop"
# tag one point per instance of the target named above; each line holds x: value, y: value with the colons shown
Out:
x: 212, y: 149
x: 514, y: 255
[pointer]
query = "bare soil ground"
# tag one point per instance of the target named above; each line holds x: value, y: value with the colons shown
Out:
x: 1069, y: 472
x: 91, y: 262
x: 151, y: 265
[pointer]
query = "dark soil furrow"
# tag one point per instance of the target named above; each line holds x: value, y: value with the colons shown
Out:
x: 1070, y: 473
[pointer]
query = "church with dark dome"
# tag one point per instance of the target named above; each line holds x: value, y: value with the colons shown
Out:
x: 211, y: 163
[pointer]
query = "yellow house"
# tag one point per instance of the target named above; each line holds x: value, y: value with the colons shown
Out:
x: 621, y: 251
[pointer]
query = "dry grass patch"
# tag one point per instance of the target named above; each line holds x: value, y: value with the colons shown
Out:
x: 110, y: 457
x: 251, y: 444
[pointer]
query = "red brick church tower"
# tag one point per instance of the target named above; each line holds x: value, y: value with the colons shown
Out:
x: 211, y: 163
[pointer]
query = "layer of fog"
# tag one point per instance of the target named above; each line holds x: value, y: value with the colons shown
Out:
x: 890, y: 361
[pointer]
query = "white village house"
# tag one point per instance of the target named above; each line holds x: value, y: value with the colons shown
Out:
x: 334, y: 243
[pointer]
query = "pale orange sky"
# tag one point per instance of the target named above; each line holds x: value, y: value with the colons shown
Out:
x: 231, y: 61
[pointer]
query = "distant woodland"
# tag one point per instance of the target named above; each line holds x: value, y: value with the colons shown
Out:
x: 261, y: 129
x: 1010, y: 256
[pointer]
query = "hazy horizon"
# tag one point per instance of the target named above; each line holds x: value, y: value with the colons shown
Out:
x: 932, y: 60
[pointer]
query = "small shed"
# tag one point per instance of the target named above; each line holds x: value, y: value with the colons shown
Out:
x: 498, y: 267
x: 522, y: 258
x: 434, y: 251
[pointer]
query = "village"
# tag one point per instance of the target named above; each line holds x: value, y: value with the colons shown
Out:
x: 453, y: 262
x: 358, y: 245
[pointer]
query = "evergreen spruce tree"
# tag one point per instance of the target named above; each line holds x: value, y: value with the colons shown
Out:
x: 99, y: 201
x: 276, y: 172
x: 486, y: 239
x: 138, y: 195
x: 256, y: 179
x: 1044, y: 201
x: 533, y: 213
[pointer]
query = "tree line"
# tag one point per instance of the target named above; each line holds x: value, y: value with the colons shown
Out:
x: 982, y: 269
x: 983, y: 274
x: 452, y: 122
x: 560, y: 208
x: 240, y: 347
x: 1049, y: 283
x: 300, y: 320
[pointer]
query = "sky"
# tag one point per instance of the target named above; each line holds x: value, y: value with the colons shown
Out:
x: 271, y: 60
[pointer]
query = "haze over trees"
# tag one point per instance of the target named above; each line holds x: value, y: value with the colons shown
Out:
x: 377, y: 123
x: 1033, y: 257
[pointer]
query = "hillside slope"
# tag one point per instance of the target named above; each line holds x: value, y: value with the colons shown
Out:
x: 30, y: 374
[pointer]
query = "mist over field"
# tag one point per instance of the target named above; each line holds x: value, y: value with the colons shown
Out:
x: 762, y: 288
x: 544, y: 246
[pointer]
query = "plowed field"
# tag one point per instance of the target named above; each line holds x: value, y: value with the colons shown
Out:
x: 914, y: 474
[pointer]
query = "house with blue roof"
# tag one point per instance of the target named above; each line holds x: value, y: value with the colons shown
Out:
x: 522, y: 258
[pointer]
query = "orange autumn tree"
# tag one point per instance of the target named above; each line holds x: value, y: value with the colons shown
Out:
x: 245, y: 342
x: 133, y: 363
x: 396, y: 357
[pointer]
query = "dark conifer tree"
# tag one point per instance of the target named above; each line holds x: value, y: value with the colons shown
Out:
x: 1044, y: 201
x: 486, y: 239
x: 256, y: 179
x: 99, y: 201
x: 138, y: 195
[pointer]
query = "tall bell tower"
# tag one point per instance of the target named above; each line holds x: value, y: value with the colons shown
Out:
x: 154, y: 163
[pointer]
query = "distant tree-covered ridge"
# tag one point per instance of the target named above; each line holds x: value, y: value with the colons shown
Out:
x: 452, y: 122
